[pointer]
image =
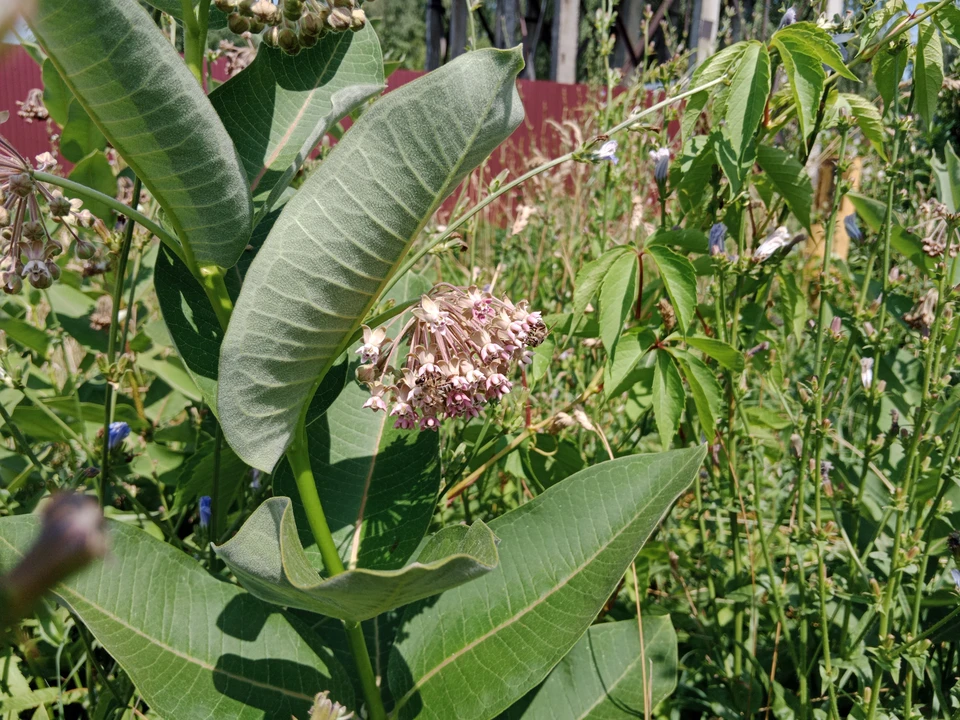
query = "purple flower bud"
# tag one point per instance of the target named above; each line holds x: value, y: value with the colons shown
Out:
x: 661, y: 164
x: 789, y: 18
x: 718, y: 236
x: 955, y: 574
x: 118, y: 433
x: 205, y: 511
x: 853, y: 230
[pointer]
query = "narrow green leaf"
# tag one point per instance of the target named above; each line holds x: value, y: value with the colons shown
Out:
x: 947, y: 19
x: 706, y: 391
x: 868, y: 119
x: 746, y: 98
x: 818, y: 43
x: 680, y: 280
x: 25, y: 334
x: 790, y: 179
x: 668, y: 397
x: 618, y: 372
x: 871, y: 211
x: 928, y: 70
x: 80, y: 135
x: 561, y: 555
x: 715, y: 66
x: 618, y: 294
x: 726, y: 355
x: 682, y: 238
x: 805, y: 72
x: 947, y: 176
x: 131, y: 81
x: 379, y: 484
x: 195, y: 647
x: 605, y: 675
x: 95, y: 172
x: 279, y: 107
x: 590, y: 277
x: 888, y: 68
x: 343, y: 234
x: 269, y: 561
x: 56, y: 95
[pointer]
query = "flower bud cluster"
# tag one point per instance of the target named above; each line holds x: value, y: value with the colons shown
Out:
x: 292, y: 25
x: 27, y: 249
x: 463, y: 344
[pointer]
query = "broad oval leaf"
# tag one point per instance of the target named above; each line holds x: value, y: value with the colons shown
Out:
x: 195, y: 647
x: 268, y: 559
x: 137, y: 89
x: 561, y: 555
x: 379, y: 484
x: 888, y: 68
x: 344, y: 233
x: 279, y: 107
x: 603, y: 677
x: 746, y: 98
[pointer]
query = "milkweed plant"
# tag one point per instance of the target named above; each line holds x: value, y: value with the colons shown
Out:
x: 322, y: 420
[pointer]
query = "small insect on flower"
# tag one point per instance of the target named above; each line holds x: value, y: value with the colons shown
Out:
x: 775, y: 240
x: 118, y: 433
x: 853, y: 229
x: 206, y: 511
x: 661, y: 164
x: 866, y: 372
x: 462, y: 343
x: 718, y: 237
x: 607, y: 151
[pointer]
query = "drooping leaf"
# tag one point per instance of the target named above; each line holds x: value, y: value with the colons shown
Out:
x: 805, y: 72
x: 706, y: 391
x: 818, y: 43
x: 267, y: 558
x: 790, y: 179
x: 867, y: 117
x: 195, y: 647
x: 95, y: 172
x: 715, y: 66
x: 928, y: 70
x: 888, y: 68
x: 618, y: 294
x: 668, y: 397
x: 279, y: 107
x: 80, y: 135
x: 680, y: 280
x: 131, y: 81
x: 742, y: 110
x: 561, y: 555
x: 726, y: 355
x: 343, y: 234
x: 379, y: 485
x: 590, y: 278
x: 947, y: 176
x: 607, y: 674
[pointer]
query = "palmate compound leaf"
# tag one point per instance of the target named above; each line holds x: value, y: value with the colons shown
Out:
x: 279, y: 107
x: 195, y: 647
x: 131, y: 81
x: 603, y: 677
x: 343, y: 235
x: 268, y: 559
x: 475, y: 650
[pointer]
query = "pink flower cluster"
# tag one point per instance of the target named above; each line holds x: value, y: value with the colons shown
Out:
x: 463, y: 343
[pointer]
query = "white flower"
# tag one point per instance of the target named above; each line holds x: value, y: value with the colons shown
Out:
x: 775, y: 240
x: 369, y: 352
x: 866, y: 372
x: 607, y: 151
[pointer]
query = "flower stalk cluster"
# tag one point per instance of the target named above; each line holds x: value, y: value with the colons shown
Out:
x: 292, y: 25
x: 27, y: 249
x: 462, y: 343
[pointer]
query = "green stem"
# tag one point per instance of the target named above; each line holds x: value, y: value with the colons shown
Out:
x: 83, y: 192
x: 299, y: 458
x: 112, y: 344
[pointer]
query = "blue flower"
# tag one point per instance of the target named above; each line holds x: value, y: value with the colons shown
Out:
x: 955, y: 574
x: 205, y: 511
x: 789, y: 18
x: 607, y: 151
x: 661, y: 164
x: 853, y: 230
x: 118, y: 433
x: 255, y: 479
x: 718, y: 236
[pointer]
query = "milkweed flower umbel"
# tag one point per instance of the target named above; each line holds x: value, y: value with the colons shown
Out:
x: 463, y: 344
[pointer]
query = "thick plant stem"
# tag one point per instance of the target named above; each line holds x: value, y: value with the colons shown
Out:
x: 112, y: 344
x: 306, y: 485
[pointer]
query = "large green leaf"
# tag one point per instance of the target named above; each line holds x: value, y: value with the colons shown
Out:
x: 867, y: 116
x: 590, y: 277
x: 131, y: 81
x: 195, y: 647
x: 726, y: 355
x: 668, y: 397
x: 268, y: 559
x: 706, y: 391
x: 279, y: 107
x: 680, y: 280
x: 618, y: 294
x: 379, y: 485
x: 806, y: 74
x: 741, y: 108
x: 928, y: 70
x: 790, y: 179
x: 715, y: 66
x: 476, y: 650
x: 888, y: 67
x: 344, y: 233
x: 603, y: 677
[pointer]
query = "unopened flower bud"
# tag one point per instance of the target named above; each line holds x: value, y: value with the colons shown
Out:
x: 84, y: 250
x: 308, y: 41
x: 661, y: 164
x: 292, y: 9
x: 326, y: 709
x: 340, y: 19
x: 226, y: 6
x: 238, y: 24
x: 4, y: 217
x: 789, y: 18
x: 53, y: 269
x: 272, y: 37
x: 59, y: 206
x: 21, y: 185
x: 853, y: 230
x: 13, y: 285
x: 357, y: 19
x: 836, y: 328
x: 288, y: 41
x: 311, y: 25
x: 866, y: 372
x: 718, y: 236
x: 266, y: 12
